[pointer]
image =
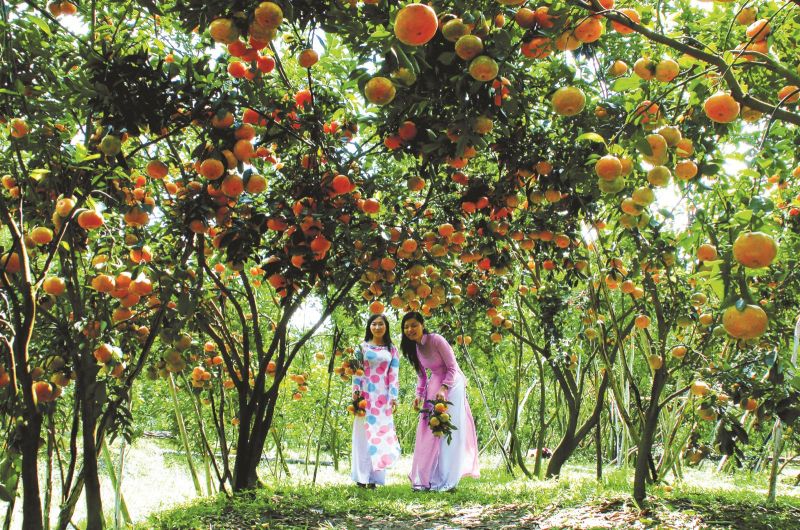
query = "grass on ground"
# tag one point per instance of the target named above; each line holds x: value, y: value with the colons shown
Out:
x: 576, y: 501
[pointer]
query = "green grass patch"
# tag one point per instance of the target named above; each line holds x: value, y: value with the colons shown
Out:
x: 496, y: 499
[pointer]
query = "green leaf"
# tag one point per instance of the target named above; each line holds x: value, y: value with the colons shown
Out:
x: 446, y: 58
x: 761, y: 204
x: 39, y: 174
x: 502, y: 40
x: 42, y: 23
x: 716, y: 283
x: 644, y: 147
x: 743, y: 216
x: 591, y: 137
x: 5, y: 495
x: 624, y: 84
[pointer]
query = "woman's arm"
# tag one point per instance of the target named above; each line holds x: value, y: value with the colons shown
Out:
x: 449, y: 360
x: 358, y: 380
x: 422, y: 382
x: 393, y: 375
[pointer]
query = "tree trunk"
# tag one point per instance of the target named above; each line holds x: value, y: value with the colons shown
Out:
x: 85, y: 391
x: 31, y: 499
x: 598, y: 451
x: 537, y: 468
x: 574, y: 436
x: 645, y: 447
x: 777, y: 448
x: 567, y: 444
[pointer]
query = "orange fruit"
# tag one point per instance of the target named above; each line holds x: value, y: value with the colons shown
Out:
x: 642, y: 321
x: 525, y: 18
x: 537, y: 48
x: 409, y: 246
x: 157, y: 169
x: 376, y: 307
x: 54, y: 285
x: 90, y: 220
x: 407, y: 131
x: 746, y: 324
x: 211, y: 168
x: 667, y: 70
x: 454, y: 29
x: 746, y: 16
x: 222, y: 120
x: 18, y: 128
x: 237, y: 70
x: 686, y: 170
x: 721, y: 107
x: 658, y: 150
x: 758, y: 30
x: 371, y: 206
x: 618, y: 68
x: 43, y: 392
x: 468, y: 47
x: 568, y: 101
x: 223, y: 30
x: 589, y: 30
x: 707, y: 252
x: 415, y: 24
x: 684, y: 148
x: 232, y: 185
x: 566, y: 42
x: 243, y: 150
x: 103, y: 283
x: 659, y: 176
x: 341, y: 184
x: 629, y: 13
x: 608, y: 167
x: 268, y: 15
x: 483, y: 68
x: 544, y: 18
x: 679, y: 352
x: 789, y: 94
x: 104, y: 353
x: 699, y: 388
x: 754, y: 249
x: 308, y: 58
x: 256, y: 183
x: 41, y: 235
x: 379, y: 90
x: 644, y: 68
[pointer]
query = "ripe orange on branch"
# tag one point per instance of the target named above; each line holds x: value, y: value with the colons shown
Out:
x: 415, y: 24
x: 568, y: 101
x: 379, y: 90
x: 721, y: 107
x: 749, y: 323
x: 754, y: 249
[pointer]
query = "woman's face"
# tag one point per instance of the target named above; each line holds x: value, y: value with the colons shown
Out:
x: 413, y: 329
x: 378, y: 329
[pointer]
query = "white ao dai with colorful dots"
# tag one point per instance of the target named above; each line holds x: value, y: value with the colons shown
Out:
x: 375, y: 433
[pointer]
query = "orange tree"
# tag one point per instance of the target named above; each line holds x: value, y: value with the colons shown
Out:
x: 82, y: 262
x: 491, y: 141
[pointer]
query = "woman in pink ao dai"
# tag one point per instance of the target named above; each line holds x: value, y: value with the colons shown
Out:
x: 375, y: 445
x: 437, y: 464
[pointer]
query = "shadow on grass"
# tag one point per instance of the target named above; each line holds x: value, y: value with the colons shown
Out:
x: 494, y: 501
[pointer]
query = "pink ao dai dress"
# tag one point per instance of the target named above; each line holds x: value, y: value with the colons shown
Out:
x: 438, y: 465
x: 375, y: 446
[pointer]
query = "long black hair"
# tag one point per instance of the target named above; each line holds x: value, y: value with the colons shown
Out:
x: 387, y: 337
x: 408, y: 346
